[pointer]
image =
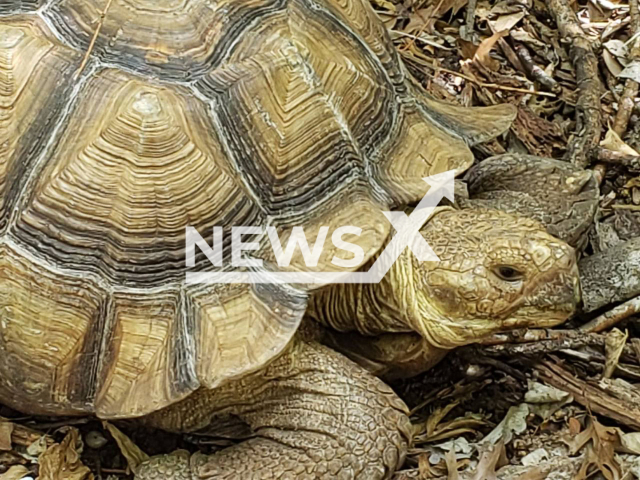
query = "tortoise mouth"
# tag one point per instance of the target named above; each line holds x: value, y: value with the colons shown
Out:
x: 446, y: 333
x: 534, y: 317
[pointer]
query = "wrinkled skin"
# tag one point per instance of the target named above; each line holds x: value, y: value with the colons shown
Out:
x: 563, y: 197
x: 497, y: 272
x: 611, y: 276
x: 312, y: 407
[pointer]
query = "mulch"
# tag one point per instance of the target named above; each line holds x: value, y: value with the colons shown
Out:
x: 529, y: 405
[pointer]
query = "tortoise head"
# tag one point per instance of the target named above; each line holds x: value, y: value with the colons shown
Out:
x: 497, y: 272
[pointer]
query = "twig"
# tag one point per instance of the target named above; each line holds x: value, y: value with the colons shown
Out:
x: 632, y: 162
x: 635, y: 344
x: 634, y: 14
x: 420, y: 39
x: 528, y: 335
x: 585, y: 62
x: 625, y: 107
x: 564, y: 341
x: 469, y: 20
x: 630, y: 92
x: 511, y: 55
x: 422, y: 28
x: 635, y: 208
x: 534, y: 71
x: 613, y: 316
x: 494, y: 85
x: 603, y: 398
x: 555, y: 341
x: 62, y: 423
x: 93, y: 39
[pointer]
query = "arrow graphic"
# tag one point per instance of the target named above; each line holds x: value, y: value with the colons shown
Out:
x: 407, y: 236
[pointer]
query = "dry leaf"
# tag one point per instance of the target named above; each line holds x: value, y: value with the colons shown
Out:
x: 535, y: 457
x: 630, y: 442
x: 486, y: 469
x: 418, y: 20
x: 612, y: 141
x: 38, y: 447
x: 533, y: 474
x: 62, y: 461
x: 617, y: 48
x: 15, y: 473
x: 129, y: 450
x: 6, y: 429
x: 634, y: 182
x: 515, y: 421
x: 484, y: 49
x: 385, y: 5
x: 612, y: 63
x: 452, y: 465
x: 600, y: 443
x: 424, y: 467
x: 574, y: 426
x: 614, y: 344
x: 506, y: 22
x: 631, y: 71
x: 436, y: 417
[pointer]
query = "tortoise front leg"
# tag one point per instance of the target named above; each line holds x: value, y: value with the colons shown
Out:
x: 316, y: 415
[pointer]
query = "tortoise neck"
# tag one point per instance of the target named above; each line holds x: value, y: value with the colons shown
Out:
x: 369, y: 309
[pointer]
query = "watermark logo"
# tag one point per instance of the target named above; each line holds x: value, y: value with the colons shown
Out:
x: 245, y: 269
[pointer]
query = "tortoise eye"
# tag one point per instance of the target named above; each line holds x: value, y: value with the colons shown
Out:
x: 508, y: 274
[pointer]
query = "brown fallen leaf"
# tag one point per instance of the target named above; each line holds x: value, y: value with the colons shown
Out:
x: 134, y: 455
x: 506, y: 22
x: 424, y: 467
x: 600, y: 443
x: 62, y: 460
x: 452, y: 465
x: 385, y: 5
x: 535, y: 473
x: 612, y: 141
x: 15, y: 473
x: 612, y: 63
x: 614, y: 345
x: 484, y: 49
x: 6, y: 429
x: 486, y: 469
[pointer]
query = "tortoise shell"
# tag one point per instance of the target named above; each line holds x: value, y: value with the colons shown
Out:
x: 122, y: 122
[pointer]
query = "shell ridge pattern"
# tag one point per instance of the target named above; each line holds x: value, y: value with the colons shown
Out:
x: 395, y: 72
x: 212, y: 108
x: 45, y: 156
x: 399, y: 95
x: 39, y: 163
x: 214, y: 28
x: 379, y: 193
x: 188, y: 328
x: 437, y: 121
x: 25, y: 251
x: 55, y: 31
x: 23, y: 7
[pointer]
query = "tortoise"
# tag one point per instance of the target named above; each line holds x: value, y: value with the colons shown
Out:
x: 125, y: 122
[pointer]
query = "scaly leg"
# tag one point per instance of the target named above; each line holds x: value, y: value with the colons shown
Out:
x: 316, y: 415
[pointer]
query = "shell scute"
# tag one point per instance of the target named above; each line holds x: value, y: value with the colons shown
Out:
x: 135, y: 165
x: 51, y: 324
x: 35, y: 86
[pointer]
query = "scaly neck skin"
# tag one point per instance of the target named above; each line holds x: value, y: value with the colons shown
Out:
x: 370, y: 309
x: 386, y: 343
